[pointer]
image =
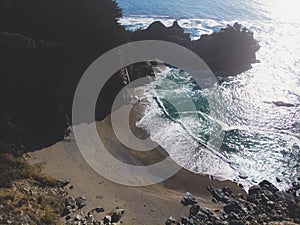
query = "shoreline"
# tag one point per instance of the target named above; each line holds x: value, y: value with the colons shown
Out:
x: 234, y: 174
x: 229, y: 175
x: 64, y: 161
x: 138, y: 112
x: 157, y: 203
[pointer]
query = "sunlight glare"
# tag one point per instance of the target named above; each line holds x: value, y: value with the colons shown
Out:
x: 286, y: 10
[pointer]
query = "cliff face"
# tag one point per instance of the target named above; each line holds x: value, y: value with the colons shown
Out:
x: 46, y: 45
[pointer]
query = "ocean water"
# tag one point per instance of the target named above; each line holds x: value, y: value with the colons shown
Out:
x: 261, y: 140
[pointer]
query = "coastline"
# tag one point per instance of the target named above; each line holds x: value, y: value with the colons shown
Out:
x: 64, y: 161
x: 47, y: 179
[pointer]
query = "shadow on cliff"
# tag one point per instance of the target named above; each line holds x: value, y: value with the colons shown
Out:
x: 46, y: 45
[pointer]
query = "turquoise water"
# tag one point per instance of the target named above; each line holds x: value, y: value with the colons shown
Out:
x: 261, y: 140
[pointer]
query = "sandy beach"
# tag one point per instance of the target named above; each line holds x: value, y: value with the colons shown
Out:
x: 143, y: 205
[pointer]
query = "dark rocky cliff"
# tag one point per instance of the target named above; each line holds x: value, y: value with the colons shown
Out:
x: 228, y: 52
x: 46, y: 45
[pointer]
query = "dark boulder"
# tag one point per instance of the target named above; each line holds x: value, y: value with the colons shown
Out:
x: 188, y: 199
x: 207, y: 212
x: 255, y: 190
x: 117, y: 215
x: 70, y: 201
x: 221, y: 195
x: 66, y: 211
x: 194, y: 210
x: 98, y: 209
x: 184, y: 220
x: 80, y: 202
x: 266, y: 185
x: 170, y: 221
x: 283, y: 104
x: 233, y: 206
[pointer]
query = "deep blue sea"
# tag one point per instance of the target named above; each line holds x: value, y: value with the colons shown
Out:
x: 261, y: 139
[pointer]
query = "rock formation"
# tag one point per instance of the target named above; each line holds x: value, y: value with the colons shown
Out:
x: 228, y: 52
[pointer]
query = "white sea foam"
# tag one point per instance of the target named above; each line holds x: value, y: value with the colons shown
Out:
x: 196, y: 26
x: 271, y: 134
x: 182, y: 147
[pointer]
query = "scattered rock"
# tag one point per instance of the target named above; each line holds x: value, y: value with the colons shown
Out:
x: 283, y: 104
x: 263, y: 204
x: 66, y: 211
x: 68, y: 217
x: 170, y: 221
x: 214, y: 200
x: 107, y: 220
x: 70, y: 201
x: 63, y: 182
x: 220, y: 195
x: 116, y: 215
x: 78, y: 218
x: 194, y: 210
x: 184, y: 220
x: 207, y: 211
x: 243, y: 176
x: 188, y: 199
x: 99, y: 209
x: 80, y: 202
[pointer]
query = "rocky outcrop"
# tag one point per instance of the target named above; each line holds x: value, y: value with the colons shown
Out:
x: 228, y: 52
x: 158, y: 31
x: 264, y: 204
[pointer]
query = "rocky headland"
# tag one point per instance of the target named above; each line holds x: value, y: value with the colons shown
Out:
x: 227, y: 52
